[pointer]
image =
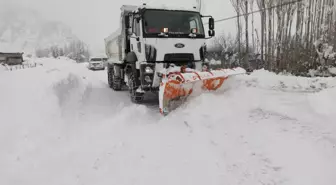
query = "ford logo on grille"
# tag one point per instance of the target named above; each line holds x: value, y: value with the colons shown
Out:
x: 179, y: 45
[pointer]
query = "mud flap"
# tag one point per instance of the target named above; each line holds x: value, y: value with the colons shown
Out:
x: 176, y: 87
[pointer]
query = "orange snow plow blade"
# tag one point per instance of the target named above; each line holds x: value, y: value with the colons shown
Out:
x: 176, y: 87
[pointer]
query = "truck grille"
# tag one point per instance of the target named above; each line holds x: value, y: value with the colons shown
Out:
x: 179, y: 57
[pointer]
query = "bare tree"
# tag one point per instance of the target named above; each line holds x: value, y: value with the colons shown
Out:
x: 252, y: 23
x: 244, y: 8
x: 295, y: 36
x: 235, y: 4
x: 261, y: 5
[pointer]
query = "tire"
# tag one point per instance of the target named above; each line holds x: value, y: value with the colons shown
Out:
x: 113, y: 81
x: 136, y: 97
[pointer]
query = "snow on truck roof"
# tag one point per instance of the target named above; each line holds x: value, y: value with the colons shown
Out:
x: 170, y: 7
x: 158, y: 7
x: 128, y: 8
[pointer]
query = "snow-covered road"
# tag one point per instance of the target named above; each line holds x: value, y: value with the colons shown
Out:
x: 62, y: 125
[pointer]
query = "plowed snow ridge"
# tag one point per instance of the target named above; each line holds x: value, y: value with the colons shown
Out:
x: 61, y: 124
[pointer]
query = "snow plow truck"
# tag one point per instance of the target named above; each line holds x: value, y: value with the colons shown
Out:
x: 162, y: 50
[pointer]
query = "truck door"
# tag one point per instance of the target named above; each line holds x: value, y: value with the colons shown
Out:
x: 136, y: 39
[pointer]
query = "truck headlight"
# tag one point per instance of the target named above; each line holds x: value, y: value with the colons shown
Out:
x: 149, y: 70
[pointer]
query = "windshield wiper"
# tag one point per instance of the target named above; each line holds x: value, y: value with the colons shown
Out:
x: 163, y: 34
x: 193, y: 35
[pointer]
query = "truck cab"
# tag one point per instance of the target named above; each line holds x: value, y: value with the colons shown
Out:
x: 151, y: 40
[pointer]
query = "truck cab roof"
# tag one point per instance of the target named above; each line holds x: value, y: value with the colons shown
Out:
x: 128, y: 8
x: 169, y: 7
x: 131, y: 8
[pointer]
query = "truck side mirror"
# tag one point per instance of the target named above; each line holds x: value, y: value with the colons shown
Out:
x: 211, y: 23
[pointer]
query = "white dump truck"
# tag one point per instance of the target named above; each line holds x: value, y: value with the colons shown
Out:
x: 161, y: 49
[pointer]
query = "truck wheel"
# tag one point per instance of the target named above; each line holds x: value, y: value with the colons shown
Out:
x: 113, y: 81
x: 136, y: 97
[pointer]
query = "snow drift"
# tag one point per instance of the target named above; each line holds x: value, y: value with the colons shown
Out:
x: 269, y: 80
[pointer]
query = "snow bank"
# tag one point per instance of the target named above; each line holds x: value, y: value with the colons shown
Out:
x: 2, y: 68
x: 269, y: 80
x: 55, y: 81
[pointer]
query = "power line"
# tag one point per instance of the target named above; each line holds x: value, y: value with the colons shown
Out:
x: 256, y: 11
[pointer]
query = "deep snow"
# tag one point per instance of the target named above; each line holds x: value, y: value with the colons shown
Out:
x: 61, y: 124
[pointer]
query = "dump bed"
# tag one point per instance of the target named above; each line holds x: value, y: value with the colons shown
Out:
x: 116, y: 43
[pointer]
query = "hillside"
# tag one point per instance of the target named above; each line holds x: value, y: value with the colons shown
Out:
x: 25, y: 30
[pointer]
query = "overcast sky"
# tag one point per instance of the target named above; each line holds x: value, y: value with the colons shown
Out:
x: 93, y: 20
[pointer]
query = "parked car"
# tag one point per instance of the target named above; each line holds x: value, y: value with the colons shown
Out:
x: 96, y: 64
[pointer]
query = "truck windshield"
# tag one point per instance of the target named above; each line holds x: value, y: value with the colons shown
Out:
x: 177, y: 22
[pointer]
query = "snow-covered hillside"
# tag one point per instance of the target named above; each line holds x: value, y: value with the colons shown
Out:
x: 61, y: 124
x: 24, y: 30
